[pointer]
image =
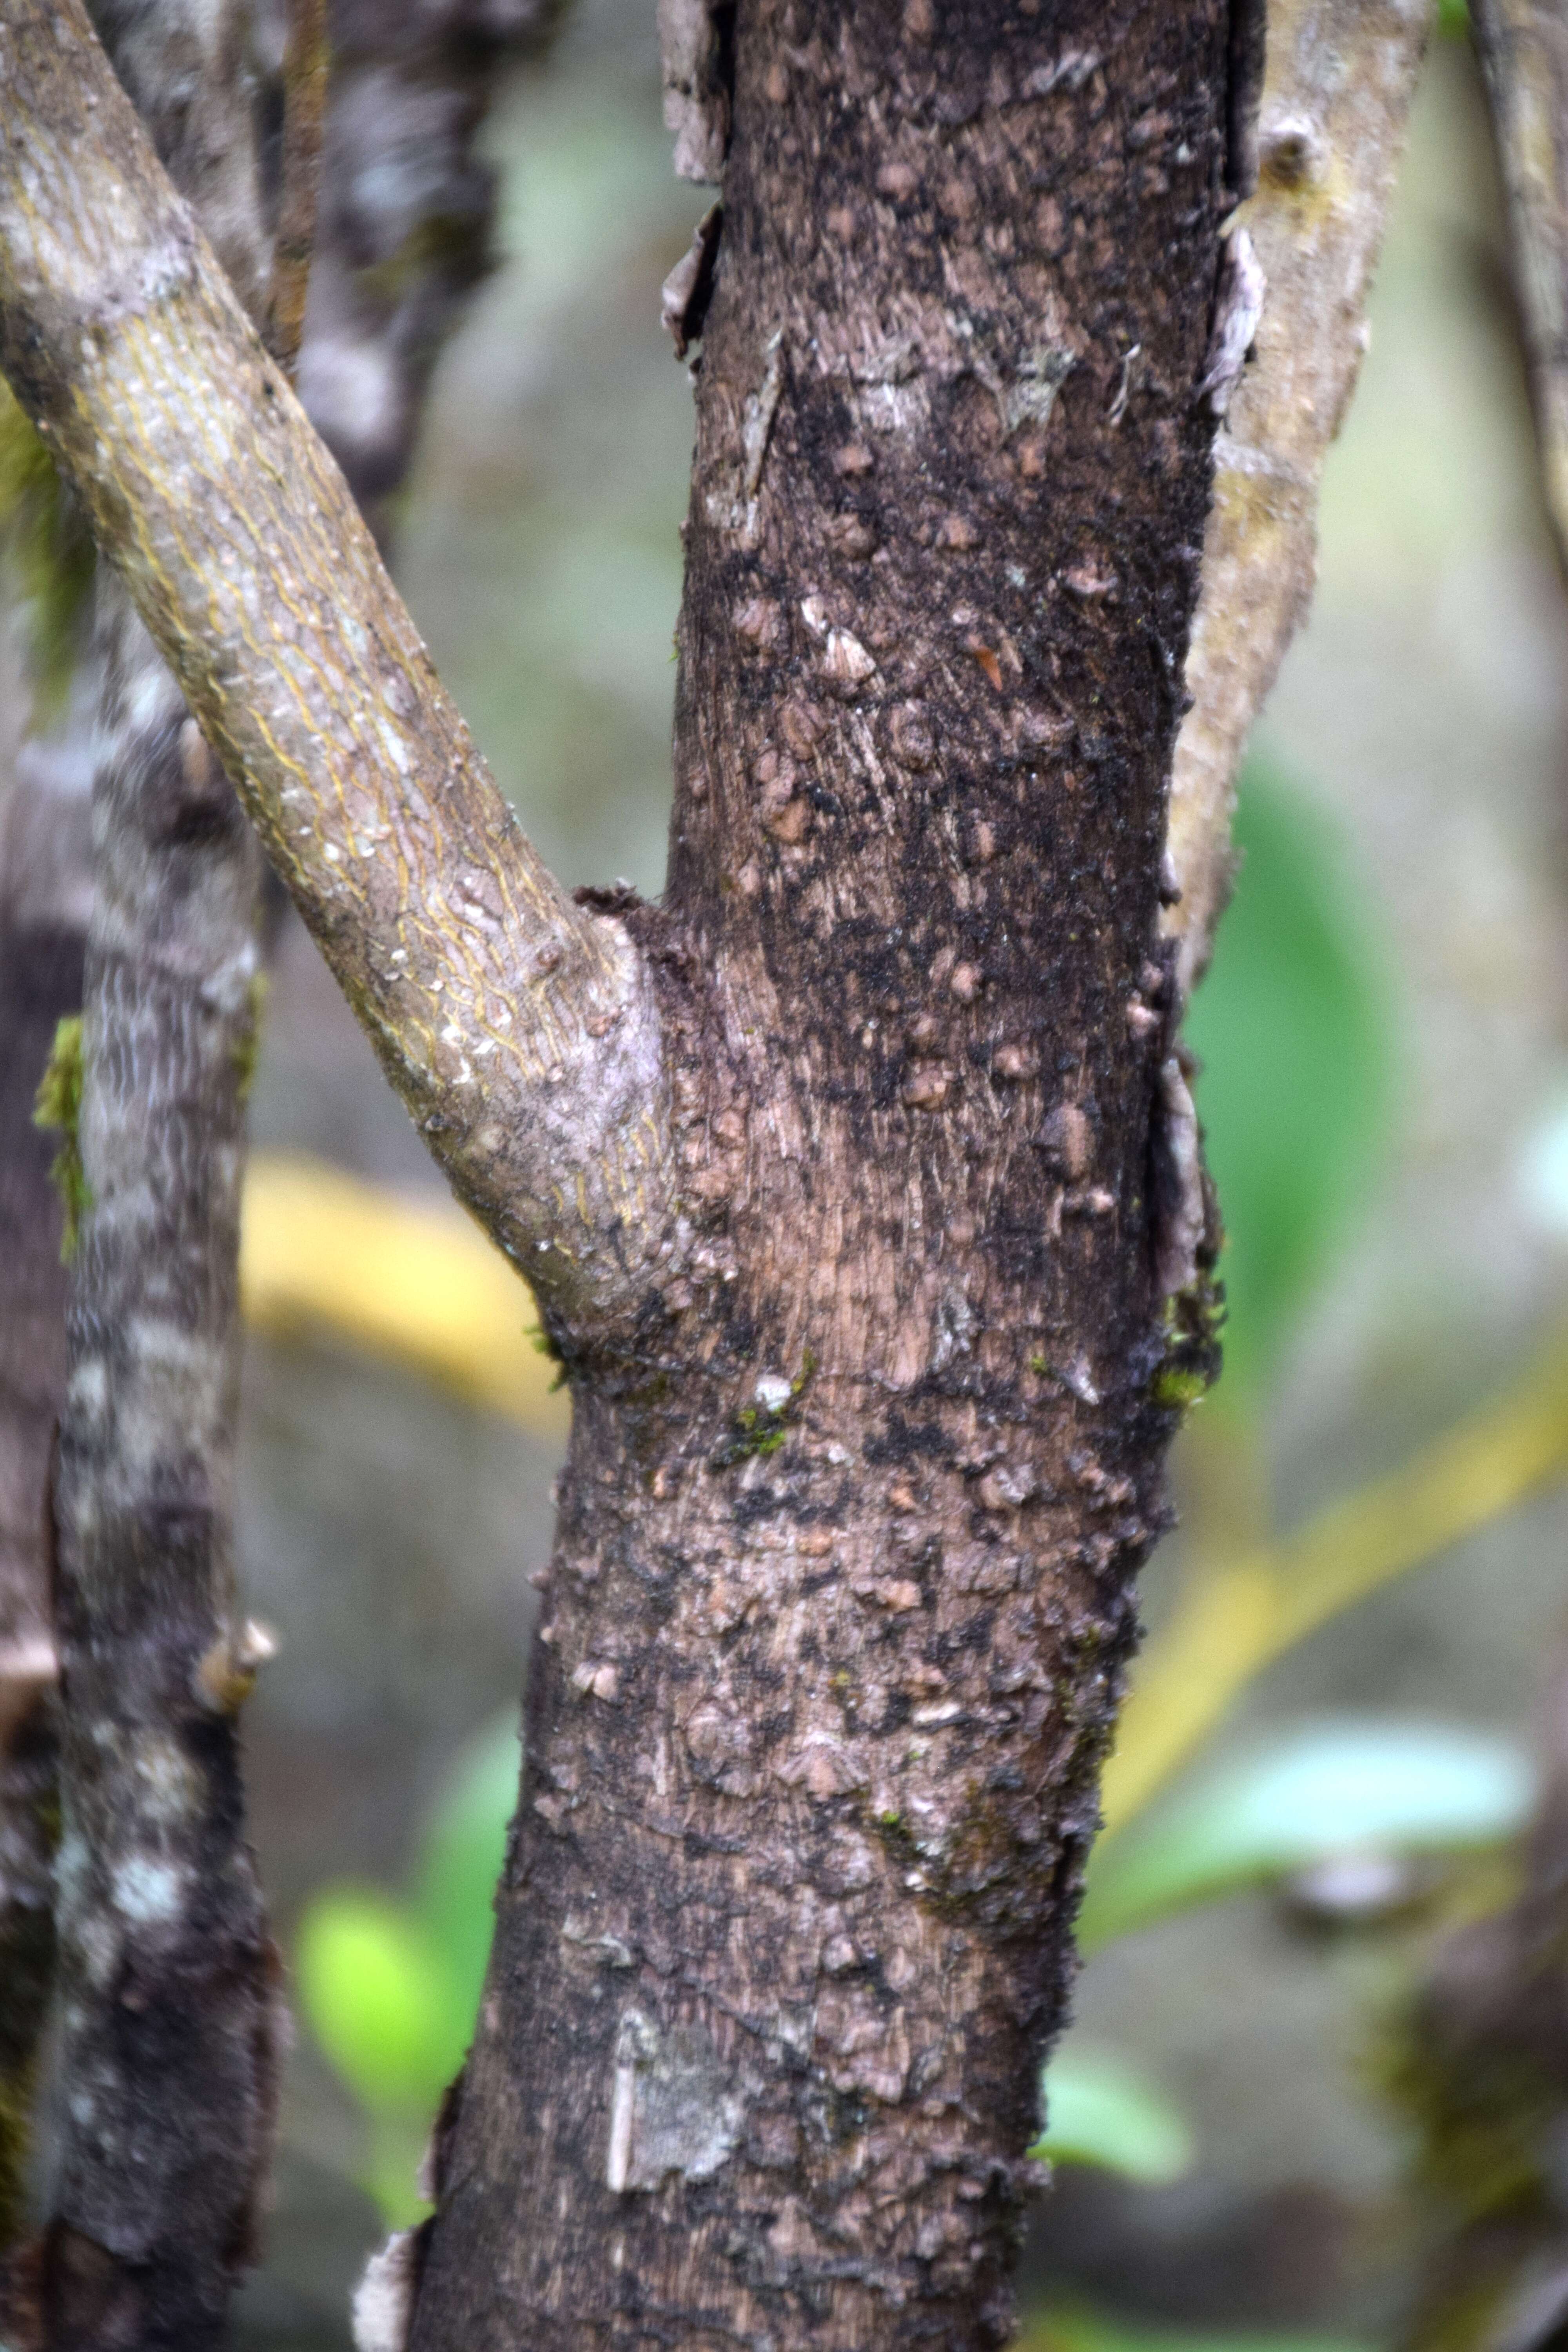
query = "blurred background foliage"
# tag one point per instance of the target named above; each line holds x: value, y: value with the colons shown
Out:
x: 1327, y: 1757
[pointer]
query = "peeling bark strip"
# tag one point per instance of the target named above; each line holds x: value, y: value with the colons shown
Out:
x: 842, y: 1590
x: 1336, y: 98
x: 1523, y: 47
x: 521, y: 1030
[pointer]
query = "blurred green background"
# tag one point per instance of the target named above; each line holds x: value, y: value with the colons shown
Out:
x: 1385, y: 1084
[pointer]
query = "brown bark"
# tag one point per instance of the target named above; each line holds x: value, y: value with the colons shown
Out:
x: 304, y: 78
x: 869, y: 1329
x: 843, y: 1582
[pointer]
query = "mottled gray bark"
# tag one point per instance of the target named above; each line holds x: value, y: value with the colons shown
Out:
x: 165, y: 1969
x: 44, y: 896
x: 404, y: 217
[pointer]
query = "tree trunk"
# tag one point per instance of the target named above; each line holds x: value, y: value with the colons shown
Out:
x: 858, y: 1185
x: 843, y: 1585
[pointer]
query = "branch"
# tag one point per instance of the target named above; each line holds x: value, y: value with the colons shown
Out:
x: 1478, y: 2065
x: 405, y: 216
x: 165, y: 1971
x: 1523, y: 48
x: 521, y: 1030
x: 1335, y: 100
x: 305, y: 61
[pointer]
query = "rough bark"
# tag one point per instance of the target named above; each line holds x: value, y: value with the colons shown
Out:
x: 1523, y: 48
x: 843, y: 1584
x: 520, y: 1029
x: 164, y: 1970
x: 1336, y: 97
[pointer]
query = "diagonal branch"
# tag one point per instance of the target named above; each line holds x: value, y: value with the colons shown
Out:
x: 1336, y: 98
x: 521, y: 1030
x: 1523, y: 48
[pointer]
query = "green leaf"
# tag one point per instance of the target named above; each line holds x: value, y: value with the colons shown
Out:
x: 1102, y: 2109
x: 1327, y: 1789
x: 380, y: 2000
x: 1292, y: 1027
x: 464, y: 1849
x: 1087, y: 2331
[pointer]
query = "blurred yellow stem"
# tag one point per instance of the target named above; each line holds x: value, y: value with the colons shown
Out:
x: 1243, y: 1615
x: 408, y: 1279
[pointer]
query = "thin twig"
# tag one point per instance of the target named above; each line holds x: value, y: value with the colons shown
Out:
x: 1523, y: 48
x: 305, y: 64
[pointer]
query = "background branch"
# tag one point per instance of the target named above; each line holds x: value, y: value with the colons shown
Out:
x: 1336, y: 100
x: 305, y: 61
x: 1523, y: 48
x: 519, y: 1029
x: 43, y: 833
